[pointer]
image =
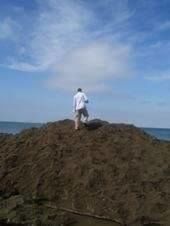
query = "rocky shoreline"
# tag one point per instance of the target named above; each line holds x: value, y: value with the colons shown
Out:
x: 54, y: 175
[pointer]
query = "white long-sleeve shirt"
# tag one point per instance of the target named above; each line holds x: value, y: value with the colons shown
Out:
x: 79, y: 101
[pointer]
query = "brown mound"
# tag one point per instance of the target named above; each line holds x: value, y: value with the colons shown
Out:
x: 111, y: 170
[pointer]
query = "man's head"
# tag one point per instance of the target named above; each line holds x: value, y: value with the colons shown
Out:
x: 79, y: 90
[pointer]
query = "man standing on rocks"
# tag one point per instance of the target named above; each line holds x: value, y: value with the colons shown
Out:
x: 79, y: 105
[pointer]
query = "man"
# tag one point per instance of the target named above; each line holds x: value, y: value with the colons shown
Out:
x: 79, y: 105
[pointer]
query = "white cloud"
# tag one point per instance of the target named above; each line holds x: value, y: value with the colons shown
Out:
x: 8, y: 29
x: 90, y: 66
x: 69, y: 41
x: 164, y: 76
x: 22, y: 66
x: 164, y: 26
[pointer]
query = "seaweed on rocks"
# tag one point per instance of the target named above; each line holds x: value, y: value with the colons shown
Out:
x: 115, y: 171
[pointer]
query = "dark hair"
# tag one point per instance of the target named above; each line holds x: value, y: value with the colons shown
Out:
x: 79, y: 90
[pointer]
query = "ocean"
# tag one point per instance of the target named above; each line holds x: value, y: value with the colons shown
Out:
x: 160, y: 133
x: 17, y: 127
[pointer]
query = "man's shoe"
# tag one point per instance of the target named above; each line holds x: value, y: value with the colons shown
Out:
x: 76, y: 129
x: 85, y: 124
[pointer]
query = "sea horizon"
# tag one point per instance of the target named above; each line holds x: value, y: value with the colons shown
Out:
x: 15, y: 127
x: 138, y: 126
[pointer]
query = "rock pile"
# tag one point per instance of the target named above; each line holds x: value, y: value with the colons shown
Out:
x: 112, y: 171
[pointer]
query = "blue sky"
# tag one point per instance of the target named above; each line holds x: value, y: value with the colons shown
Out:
x: 117, y: 51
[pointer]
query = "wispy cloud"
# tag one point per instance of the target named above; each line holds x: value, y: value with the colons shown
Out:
x: 92, y: 65
x: 8, y: 29
x: 71, y: 42
x: 164, y: 26
x: 22, y: 66
x: 161, y: 77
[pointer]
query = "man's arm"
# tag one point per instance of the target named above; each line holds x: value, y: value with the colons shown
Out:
x: 86, y: 99
x: 74, y: 104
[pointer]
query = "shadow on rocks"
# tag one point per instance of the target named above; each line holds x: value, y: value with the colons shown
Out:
x: 95, y: 124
